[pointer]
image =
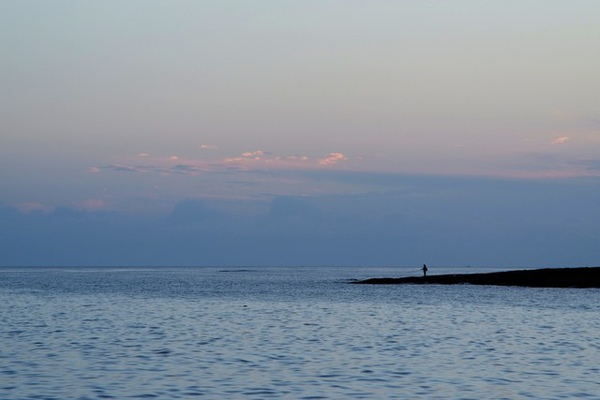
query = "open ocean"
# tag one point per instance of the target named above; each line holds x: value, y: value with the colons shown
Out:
x: 293, y: 333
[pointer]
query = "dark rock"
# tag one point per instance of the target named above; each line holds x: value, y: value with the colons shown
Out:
x: 588, y: 277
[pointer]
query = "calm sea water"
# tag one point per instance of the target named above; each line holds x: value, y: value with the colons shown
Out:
x: 294, y: 333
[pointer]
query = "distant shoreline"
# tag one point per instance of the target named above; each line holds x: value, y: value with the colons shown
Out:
x: 585, y: 277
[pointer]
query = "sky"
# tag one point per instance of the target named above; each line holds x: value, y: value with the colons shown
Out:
x: 309, y: 132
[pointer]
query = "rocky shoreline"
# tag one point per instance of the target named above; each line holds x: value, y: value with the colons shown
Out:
x: 586, y: 277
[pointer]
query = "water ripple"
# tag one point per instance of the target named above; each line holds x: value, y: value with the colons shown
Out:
x: 124, y: 340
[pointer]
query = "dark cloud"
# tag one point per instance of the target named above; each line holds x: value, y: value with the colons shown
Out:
x: 284, y: 207
x: 179, y: 169
x: 122, y: 168
x: 191, y: 211
x: 592, y: 165
x: 8, y: 212
x: 185, y: 169
x: 444, y: 221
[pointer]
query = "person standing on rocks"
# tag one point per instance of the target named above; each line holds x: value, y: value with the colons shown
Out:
x: 424, y: 270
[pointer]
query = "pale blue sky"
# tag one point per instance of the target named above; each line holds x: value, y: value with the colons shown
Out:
x: 132, y: 107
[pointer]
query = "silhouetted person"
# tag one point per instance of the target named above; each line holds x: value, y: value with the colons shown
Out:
x: 424, y: 270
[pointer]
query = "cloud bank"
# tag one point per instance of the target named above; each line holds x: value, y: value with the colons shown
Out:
x: 438, y: 220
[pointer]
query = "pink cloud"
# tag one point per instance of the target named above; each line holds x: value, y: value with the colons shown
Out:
x: 93, y: 204
x: 255, y: 159
x: 248, y: 156
x: 297, y: 158
x: 560, y: 140
x: 254, y: 154
x: 264, y: 158
x: 332, y: 158
x: 208, y: 147
x: 234, y: 160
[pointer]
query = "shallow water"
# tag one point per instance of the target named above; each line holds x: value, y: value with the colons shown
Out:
x: 301, y: 333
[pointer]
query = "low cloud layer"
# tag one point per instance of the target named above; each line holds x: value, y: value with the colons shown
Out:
x: 254, y: 160
x: 438, y: 220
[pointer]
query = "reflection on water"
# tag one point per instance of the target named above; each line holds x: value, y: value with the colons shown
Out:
x: 181, y: 333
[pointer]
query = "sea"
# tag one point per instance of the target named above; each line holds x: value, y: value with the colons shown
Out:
x: 290, y: 333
